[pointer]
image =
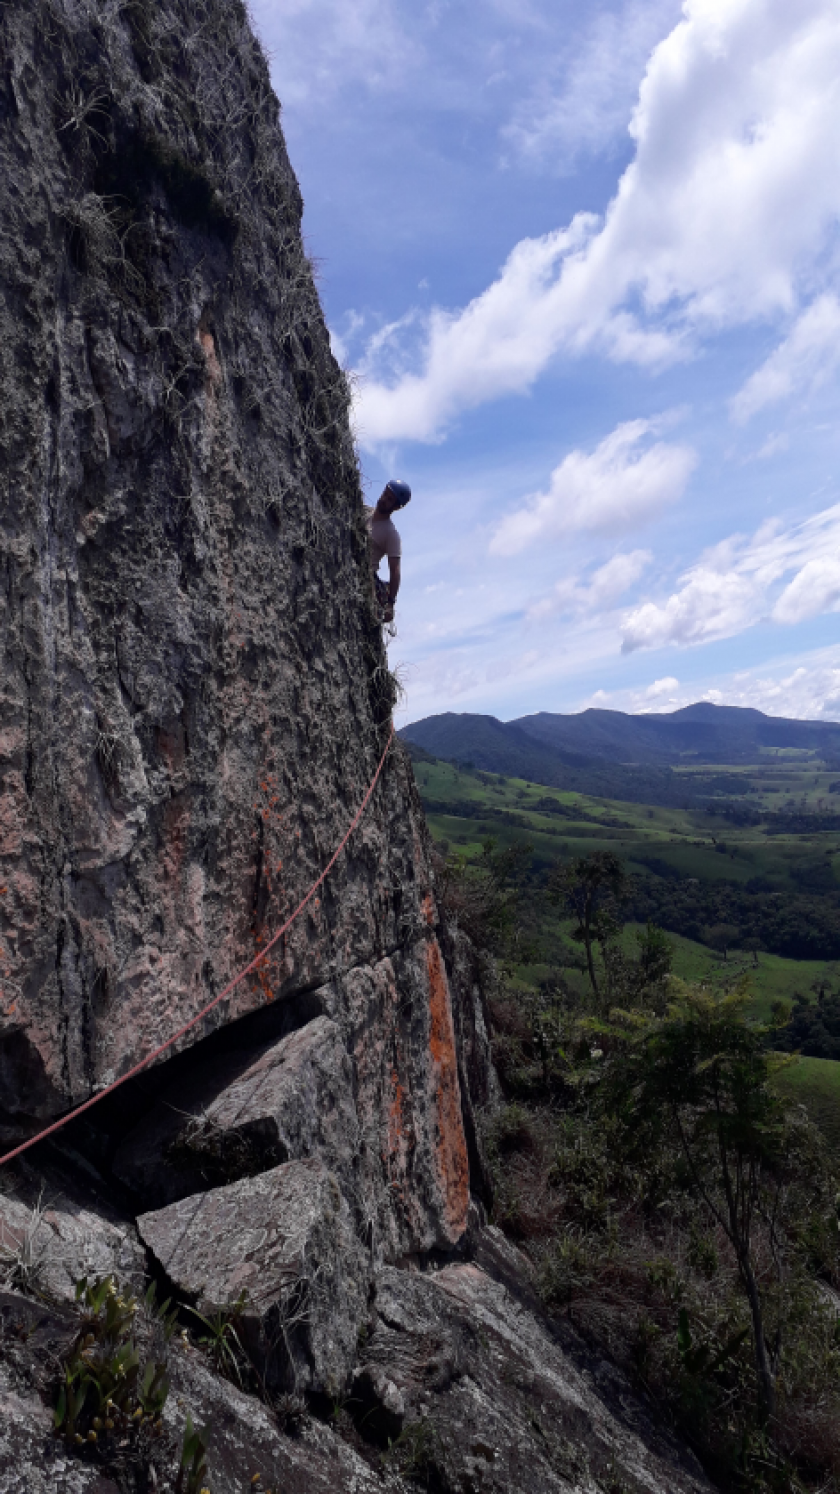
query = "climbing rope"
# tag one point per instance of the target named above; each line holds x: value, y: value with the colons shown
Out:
x: 231, y: 985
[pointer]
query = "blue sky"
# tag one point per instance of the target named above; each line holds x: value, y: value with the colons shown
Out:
x: 583, y: 262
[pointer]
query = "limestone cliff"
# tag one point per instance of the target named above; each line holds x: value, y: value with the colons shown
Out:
x: 194, y: 698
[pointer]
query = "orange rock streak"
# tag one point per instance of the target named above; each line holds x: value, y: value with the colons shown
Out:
x: 450, y: 1143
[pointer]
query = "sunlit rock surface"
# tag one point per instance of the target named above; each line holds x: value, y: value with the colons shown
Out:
x: 282, y: 1243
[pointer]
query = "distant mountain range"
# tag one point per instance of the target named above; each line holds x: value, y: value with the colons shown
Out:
x: 616, y: 754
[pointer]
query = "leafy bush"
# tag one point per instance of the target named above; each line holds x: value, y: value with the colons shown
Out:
x: 677, y: 1210
x: 107, y: 1394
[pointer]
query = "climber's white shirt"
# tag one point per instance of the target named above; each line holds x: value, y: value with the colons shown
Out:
x: 384, y: 538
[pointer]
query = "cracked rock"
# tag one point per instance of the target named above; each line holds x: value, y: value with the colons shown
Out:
x: 284, y: 1243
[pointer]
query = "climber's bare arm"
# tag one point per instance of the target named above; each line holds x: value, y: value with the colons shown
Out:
x: 394, y: 576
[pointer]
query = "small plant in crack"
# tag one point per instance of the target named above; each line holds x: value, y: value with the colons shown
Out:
x: 82, y: 109
x: 108, y: 1398
x: 22, y: 1255
x: 192, y: 1469
x: 412, y: 1453
x: 291, y: 1412
x: 166, y: 1314
x: 219, y: 1337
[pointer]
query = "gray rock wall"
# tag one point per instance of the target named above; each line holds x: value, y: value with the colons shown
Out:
x: 195, y: 694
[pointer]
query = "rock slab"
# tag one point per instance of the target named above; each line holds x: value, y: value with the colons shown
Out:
x: 293, y: 1100
x: 457, y: 1367
x: 283, y: 1243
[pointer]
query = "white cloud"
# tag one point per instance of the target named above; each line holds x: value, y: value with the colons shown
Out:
x: 496, y: 345
x: 584, y: 102
x: 806, y: 359
x: 807, y: 693
x: 606, y: 584
x: 736, y: 583
x: 814, y: 589
x: 618, y: 485
x: 720, y: 220
x: 804, y: 689
x: 710, y: 604
x: 666, y: 686
x: 662, y: 695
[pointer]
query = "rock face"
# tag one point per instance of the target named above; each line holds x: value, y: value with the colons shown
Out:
x: 195, y: 695
x: 502, y: 1405
x: 193, y: 703
x: 51, y: 1237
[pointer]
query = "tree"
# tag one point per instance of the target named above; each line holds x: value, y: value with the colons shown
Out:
x: 590, y: 888
x: 482, y: 895
x: 656, y: 955
x: 645, y: 981
x: 721, y: 936
x: 702, y: 1074
x: 753, y: 946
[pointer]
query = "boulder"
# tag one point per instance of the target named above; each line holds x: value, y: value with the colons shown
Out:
x: 49, y: 1239
x: 283, y: 1245
x: 371, y: 1086
x: 244, y: 1439
x: 246, y: 1114
x: 31, y: 1460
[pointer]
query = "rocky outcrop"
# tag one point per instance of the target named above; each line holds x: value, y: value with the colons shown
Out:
x: 52, y: 1235
x: 195, y: 692
x: 240, y: 1117
x: 194, y: 700
x: 453, y: 1360
x: 284, y: 1245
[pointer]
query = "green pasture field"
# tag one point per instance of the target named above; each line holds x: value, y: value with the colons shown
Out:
x: 815, y: 1083
x: 465, y: 808
x: 771, y: 977
x: 691, y: 842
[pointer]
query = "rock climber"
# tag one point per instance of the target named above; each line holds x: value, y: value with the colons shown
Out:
x: 385, y: 540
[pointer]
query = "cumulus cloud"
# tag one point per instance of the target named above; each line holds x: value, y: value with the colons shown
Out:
x: 662, y: 695
x: 737, y: 582
x: 603, y: 589
x: 497, y: 345
x: 806, y: 690
x: 661, y: 688
x: 814, y: 589
x: 709, y: 604
x: 623, y: 482
x: 806, y: 359
x: 719, y: 220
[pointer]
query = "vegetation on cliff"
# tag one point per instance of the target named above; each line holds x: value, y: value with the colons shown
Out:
x: 679, y: 1210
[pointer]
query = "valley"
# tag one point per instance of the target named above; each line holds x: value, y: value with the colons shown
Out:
x: 745, y: 881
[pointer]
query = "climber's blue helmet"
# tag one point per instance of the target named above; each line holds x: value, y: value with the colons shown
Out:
x: 399, y: 490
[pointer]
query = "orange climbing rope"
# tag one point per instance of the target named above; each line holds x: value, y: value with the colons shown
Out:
x: 193, y: 1022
